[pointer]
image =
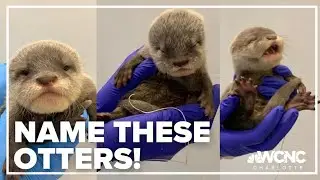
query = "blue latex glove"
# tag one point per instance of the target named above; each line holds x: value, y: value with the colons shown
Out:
x: 266, y: 135
x: 2, y: 83
x: 109, y: 96
x: 271, y: 84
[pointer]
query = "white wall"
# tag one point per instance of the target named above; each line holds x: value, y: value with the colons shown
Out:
x: 76, y: 27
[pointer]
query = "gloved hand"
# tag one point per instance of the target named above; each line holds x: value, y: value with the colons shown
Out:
x: 271, y: 84
x: 266, y: 135
x: 109, y: 96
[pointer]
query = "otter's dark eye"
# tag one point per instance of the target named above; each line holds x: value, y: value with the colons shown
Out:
x: 66, y: 68
x: 23, y: 73
x: 159, y: 49
x: 251, y: 40
x: 199, y: 42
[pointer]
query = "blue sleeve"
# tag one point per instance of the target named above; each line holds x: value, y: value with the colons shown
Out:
x: 2, y: 83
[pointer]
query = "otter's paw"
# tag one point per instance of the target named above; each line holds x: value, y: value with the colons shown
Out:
x: 123, y: 76
x: 206, y: 103
x: 302, y: 101
x: 103, y: 116
x: 244, y: 86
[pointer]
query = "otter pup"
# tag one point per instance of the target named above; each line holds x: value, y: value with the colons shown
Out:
x: 176, y: 44
x: 47, y: 82
x: 255, y: 52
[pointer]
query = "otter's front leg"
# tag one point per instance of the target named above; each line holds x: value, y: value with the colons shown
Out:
x: 302, y: 101
x: 206, y: 96
x: 240, y: 118
x: 125, y: 72
x: 247, y: 92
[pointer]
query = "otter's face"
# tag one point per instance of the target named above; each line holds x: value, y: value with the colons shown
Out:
x: 257, y: 48
x: 45, y: 77
x: 176, y: 42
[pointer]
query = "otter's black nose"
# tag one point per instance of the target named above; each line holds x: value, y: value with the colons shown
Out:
x: 181, y: 63
x: 46, y: 79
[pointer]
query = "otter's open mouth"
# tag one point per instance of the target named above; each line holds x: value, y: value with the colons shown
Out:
x: 273, y: 49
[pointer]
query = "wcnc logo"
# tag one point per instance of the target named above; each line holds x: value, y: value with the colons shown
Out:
x: 277, y: 157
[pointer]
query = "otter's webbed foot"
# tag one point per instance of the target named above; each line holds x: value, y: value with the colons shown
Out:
x: 246, y: 90
x: 205, y: 100
x: 244, y: 87
x: 302, y: 101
